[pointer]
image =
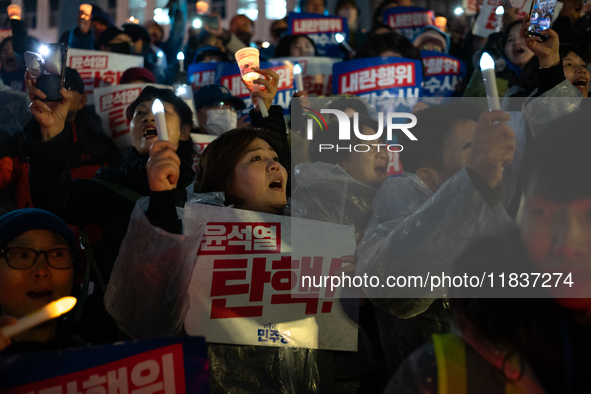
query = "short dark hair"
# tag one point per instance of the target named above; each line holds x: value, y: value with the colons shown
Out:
x: 4, y: 42
x: 215, y: 171
x: 331, y: 136
x: 284, y: 47
x: 559, y: 161
x: 433, y: 128
x: 167, y: 95
x: 239, y: 15
x: 391, y: 41
x: 579, y: 50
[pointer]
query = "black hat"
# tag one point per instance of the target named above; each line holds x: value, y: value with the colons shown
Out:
x: 74, y: 80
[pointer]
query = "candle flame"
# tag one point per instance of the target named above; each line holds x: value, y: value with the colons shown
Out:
x: 297, y: 69
x: 157, y: 106
x: 486, y: 62
x: 61, y: 306
x: 180, y: 56
x: 339, y: 37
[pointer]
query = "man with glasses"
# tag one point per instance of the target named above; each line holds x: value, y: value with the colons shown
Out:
x: 37, y: 255
x: 217, y: 109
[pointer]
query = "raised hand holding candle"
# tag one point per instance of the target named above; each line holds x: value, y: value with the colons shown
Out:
x: 297, y: 77
x: 487, y: 64
x: 158, y: 110
x: 248, y: 60
x: 48, y: 312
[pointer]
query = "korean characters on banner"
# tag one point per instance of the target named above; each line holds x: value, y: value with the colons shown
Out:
x: 200, y: 142
x: 316, y: 73
x: 489, y: 22
x: 390, y: 84
x: 470, y: 7
x: 169, y: 366
x: 442, y: 74
x: 408, y: 21
x: 229, y: 76
x: 321, y: 29
x: 250, y: 286
x: 99, y: 69
x: 111, y: 103
x: 201, y: 74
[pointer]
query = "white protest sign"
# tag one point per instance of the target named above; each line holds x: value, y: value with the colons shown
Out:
x: 200, y: 141
x: 99, y: 69
x: 111, y: 103
x: 489, y: 22
x: 316, y: 73
x: 247, y: 286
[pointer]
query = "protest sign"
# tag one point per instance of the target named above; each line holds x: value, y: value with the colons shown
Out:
x: 167, y: 365
x: 408, y: 21
x: 112, y: 102
x: 390, y: 84
x: 248, y: 284
x: 316, y: 73
x: 442, y: 74
x: 321, y: 29
x: 228, y: 75
x: 201, y: 74
x: 99, y: 69
x: 470, y: 7
x: 489, y: 22
x: 200, y: 142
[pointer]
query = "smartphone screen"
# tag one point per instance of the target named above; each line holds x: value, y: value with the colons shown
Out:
x: 542, y: 13
x: 52, y: 82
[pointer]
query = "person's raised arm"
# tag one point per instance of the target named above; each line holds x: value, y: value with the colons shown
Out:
x: 163, y: 170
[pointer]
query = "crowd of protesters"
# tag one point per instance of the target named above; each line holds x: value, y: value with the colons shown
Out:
x: 458, y: 207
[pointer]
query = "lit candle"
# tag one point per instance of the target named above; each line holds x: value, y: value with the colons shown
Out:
x: 341, y: 40
x: 158, y: 110
x: 48, y: 312
x: 181, y: 58
x: 297, y: 76
x: 487, y: 64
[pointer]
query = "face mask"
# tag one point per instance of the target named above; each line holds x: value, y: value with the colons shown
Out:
x: 123, y: 48
x: 220, y: 120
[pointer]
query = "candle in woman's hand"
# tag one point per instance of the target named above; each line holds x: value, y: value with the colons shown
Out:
x: 48, y: 312
x: 261, y: 102
x: 297, y: 77
x: 158, y: 110
x: 487, y: 64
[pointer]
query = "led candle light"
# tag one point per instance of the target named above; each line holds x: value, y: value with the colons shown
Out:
x: 248, y: 60
x: 158, y: 110
x: 487, y: 64
x: 297, y: 77
x: 86, y: 11
x: 341, y: 40
x: 14, y: 11
x: 48, y: 312
x: 181, y: 58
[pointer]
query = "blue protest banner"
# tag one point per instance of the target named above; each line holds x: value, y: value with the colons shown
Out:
x: 168, y: 365
x: 390, y: 84
x: 408, y: 21
x: 442, y: 74
x: 321, y: 29
x: 201, y: 74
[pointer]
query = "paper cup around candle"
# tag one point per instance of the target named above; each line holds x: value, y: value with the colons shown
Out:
x: 14, y: 11
x: 248, y: 58
x: 86, y: 8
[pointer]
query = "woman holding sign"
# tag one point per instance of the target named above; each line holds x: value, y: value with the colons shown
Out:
x: 245, y: 166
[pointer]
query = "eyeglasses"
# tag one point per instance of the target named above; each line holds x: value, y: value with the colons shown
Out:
x: 24, y: 258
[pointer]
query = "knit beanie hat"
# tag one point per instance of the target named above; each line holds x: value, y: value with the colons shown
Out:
x: 18, y: 222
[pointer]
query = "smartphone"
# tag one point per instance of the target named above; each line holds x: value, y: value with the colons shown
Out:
x: 210, y: 21
x: 541, y: 15
x: 52, y: 82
